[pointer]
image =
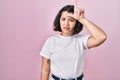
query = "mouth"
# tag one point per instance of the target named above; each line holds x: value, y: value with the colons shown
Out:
x: 66, y: 28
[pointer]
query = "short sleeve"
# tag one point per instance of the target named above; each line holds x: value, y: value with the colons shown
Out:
x: 45, y: 51
x: 84, y: 41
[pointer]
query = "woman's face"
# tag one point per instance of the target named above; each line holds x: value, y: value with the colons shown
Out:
x: 67, y: 23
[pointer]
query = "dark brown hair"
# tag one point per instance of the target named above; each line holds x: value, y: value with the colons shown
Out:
x: 56, y: 25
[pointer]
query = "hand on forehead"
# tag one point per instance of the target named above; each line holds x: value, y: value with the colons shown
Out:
x: 77, y: 11
x: 67, y: 14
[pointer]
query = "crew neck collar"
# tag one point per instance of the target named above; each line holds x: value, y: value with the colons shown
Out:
x: 65, y: 37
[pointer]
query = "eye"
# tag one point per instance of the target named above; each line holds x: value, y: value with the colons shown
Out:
x: 72, y: 20
x: 63, y: 19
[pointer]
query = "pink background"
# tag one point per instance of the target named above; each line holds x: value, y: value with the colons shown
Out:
x: 25, y: 24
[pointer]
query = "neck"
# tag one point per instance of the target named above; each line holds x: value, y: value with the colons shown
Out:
x: 67, y: 34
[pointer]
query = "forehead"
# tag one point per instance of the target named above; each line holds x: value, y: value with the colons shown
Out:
x: 65, y: 14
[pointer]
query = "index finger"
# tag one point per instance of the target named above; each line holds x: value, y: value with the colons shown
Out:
x: 75, y: 4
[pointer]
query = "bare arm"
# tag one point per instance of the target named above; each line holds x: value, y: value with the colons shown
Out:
x: 97, y: 35
x: 45, y: 71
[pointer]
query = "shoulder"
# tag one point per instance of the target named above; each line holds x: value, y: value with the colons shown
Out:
x: 79, y: 36
x: 82, y: 37
x: 52, y: 38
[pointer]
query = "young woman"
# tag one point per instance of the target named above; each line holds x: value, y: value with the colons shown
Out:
x: 62, y: 54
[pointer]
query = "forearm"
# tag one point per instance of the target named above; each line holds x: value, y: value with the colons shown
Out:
x: 45, y: 75
x: 45, y: 70
x: 95, y: 31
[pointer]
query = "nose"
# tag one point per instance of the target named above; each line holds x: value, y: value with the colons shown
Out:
x: 66, y: 22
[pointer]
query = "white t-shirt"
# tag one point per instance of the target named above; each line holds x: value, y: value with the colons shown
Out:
x: 65, y: 54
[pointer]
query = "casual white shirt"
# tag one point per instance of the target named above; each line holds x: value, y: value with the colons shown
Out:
x: 65, y: 54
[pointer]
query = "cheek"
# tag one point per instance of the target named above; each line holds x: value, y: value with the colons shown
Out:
x: 73, y: 25
x: 61, y: 23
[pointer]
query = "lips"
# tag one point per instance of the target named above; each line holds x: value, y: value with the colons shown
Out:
x: 66, y: 28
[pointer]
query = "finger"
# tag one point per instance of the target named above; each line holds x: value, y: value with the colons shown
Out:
x: 82, y: 10
x: 75, y: 4
x: 76, y: 12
